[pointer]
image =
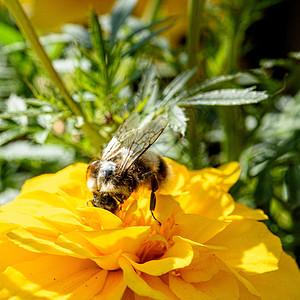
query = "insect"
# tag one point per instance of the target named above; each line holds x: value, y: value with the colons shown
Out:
x: 125, y: 165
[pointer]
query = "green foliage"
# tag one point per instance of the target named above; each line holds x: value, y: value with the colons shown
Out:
x: 119, y: 65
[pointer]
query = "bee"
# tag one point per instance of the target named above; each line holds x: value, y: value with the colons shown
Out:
x: 126, y: 165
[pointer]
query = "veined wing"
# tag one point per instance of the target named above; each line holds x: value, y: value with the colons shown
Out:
x: 138, y: 141
x: 114, y: 146
x: 131, y: 142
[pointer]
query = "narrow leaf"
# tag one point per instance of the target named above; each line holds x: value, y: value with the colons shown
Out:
x: 145, y: 27
x: 32, y: 112
x: 144, y: 40
x: 213, y: 82
x: 225, y: 97
x: 177, y: 84
x: 11, y: 134
x: 121, y: 11
x: 97, y: 38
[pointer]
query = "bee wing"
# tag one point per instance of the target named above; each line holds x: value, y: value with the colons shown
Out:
x: 132, y: 142
x: 138, y: 141
x: 115, y: 145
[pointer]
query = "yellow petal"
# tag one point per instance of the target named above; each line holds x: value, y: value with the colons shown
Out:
x: 283, y: 283
x: 114, y: 287
x: 51, y: 277
x: 165, y: 207
x: 198, y: 228
x: 179, y: 177
x: 250, y: 246
x: 201, y: 247
x: 231, y: 173
x: 71, y: 180
x: 37, y: 242
x: 244, y: 284
x: 16, y: 220
x: 178, y: 256
x: 157, y: 283
x: 76, y: 243
x: 108, y: 241
x: 206, y: 199
x: 109, y: 261
x: 245, y: 294
x: 61, y: 219
x: 98, y: 218
x: 202, y: 268
x: 30, y: 202
x: 220, y: 286
x: 11, y: 254
x: 136, y: 283
x: 242, y: 211
x: 225, y: 176
x: 90, y: 288
x: 186, y: 291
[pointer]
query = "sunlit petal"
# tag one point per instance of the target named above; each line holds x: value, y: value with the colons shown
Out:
x: 51, y: 276
x: 283, y: 283
x: 242, y: 211
x: 250, y: 246
x: 136, y: 283
x: 198, y: 228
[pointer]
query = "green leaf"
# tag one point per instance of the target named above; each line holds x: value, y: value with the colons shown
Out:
x: 177, y: 84
x: 149, y: 80
x: 292, y: 177
x: 225, y: 97
x: 177, y: 119
x: 144, y: 40
x: 31, y: 112
x: 9, y: 35
x: 79, y: 34
x: 20, y: 150
x: 121, y: 11
x: 145, y: 27
x: 11, y: 134
x: 209, y: 83
x: 38, y: 102
x: 264, y: 189
x: 97, y: 38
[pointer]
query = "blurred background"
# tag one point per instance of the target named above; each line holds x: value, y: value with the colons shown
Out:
x: 194, y: 61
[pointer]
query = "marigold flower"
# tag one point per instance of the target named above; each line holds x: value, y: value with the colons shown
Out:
x: 53, y: 246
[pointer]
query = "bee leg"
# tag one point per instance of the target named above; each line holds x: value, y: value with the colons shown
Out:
x: 154, y: 187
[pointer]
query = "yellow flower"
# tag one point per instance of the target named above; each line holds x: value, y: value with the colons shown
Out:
x: 53, y: 246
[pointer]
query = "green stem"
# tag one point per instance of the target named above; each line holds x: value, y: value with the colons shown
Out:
x: 193, y: 38
x: 99, y: 45
x: 155, y: 9
x: 152, y: 10
x: 194, y: 15
x: 232, y: 117
x: 29, y: 33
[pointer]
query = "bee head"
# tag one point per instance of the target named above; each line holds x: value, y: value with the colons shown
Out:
x: 106, y: 201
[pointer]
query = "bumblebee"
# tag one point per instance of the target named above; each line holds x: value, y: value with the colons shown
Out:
x: 126, y: 165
